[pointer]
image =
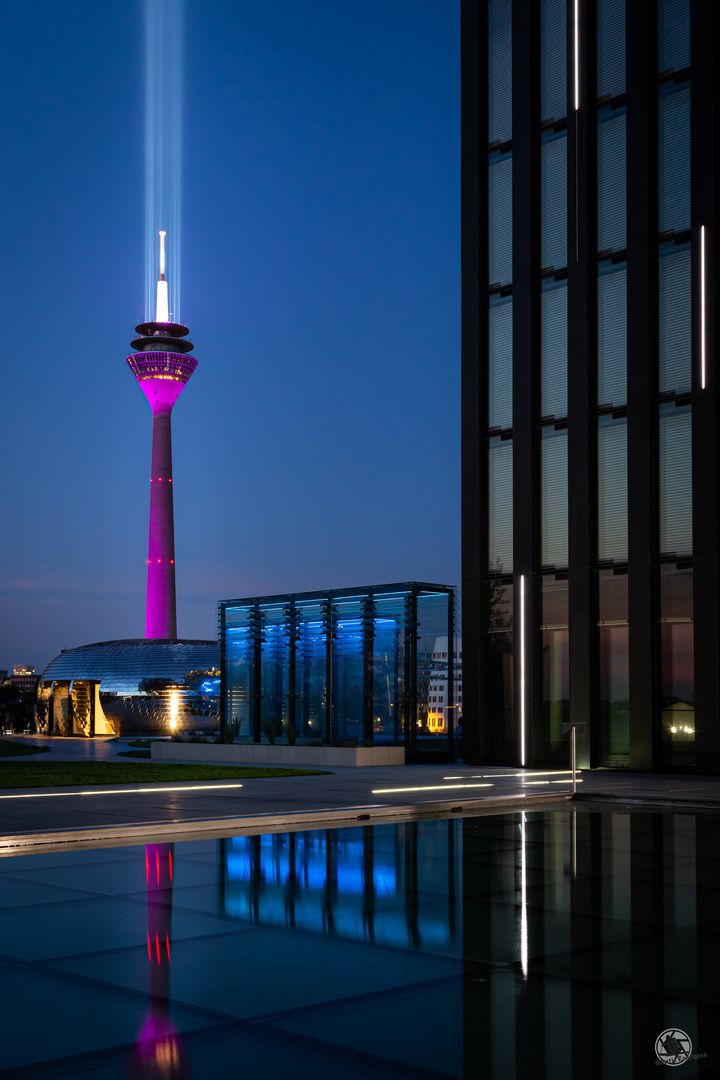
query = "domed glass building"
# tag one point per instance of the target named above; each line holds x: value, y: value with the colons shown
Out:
x: 138, y: 686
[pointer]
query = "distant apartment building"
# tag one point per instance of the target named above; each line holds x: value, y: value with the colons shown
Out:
x: 439, y: 701
x: 24, y: 678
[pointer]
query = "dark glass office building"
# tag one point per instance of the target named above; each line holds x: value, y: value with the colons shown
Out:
x: 367, y: 666
x: 591, y: 491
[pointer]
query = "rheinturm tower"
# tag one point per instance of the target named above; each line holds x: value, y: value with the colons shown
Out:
x: 162, y: 367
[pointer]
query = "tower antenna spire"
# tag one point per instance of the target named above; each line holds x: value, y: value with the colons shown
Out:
x: 161, y: 308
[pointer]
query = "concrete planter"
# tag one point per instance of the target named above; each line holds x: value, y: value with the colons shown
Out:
x: 265, y: 754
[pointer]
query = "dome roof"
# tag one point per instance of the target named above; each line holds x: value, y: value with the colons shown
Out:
x: 121, y: 665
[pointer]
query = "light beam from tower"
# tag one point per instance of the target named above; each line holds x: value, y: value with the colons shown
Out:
x: 162, y: 368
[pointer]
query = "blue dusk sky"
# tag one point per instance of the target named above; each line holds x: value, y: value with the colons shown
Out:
x: 317, y: 444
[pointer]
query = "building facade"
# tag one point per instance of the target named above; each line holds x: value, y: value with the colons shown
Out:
x: 590, y: 392
x: 439, y: 699
x: 341, y: 666
x: 24, y: 678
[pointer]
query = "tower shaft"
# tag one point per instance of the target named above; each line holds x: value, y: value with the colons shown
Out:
x: 160, y: 609
x: 162, y: 368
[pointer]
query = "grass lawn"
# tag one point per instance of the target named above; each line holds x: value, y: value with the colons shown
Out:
x: 87, y: 773
x: 15, y: 749
x: 135, y: 753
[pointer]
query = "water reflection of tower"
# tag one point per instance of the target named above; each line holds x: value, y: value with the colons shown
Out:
x: 158, y: 873
x: 158, y: 1052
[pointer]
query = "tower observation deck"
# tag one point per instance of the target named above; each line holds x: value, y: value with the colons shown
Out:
x: 162, y: 367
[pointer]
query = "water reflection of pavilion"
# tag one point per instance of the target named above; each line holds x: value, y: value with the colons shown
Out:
x: 368, y: 883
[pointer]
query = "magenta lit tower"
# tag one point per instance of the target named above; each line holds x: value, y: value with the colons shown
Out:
x: 162, y: 367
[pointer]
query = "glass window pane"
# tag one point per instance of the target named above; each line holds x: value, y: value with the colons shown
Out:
x: 499, y: 70
x: 389, y: 668
x: 554, y: 466
x: 500, y: 362
x: 612, y: 489
x: 610, y: 47
x: 611, y: 192
x: 612, y: 334
x: 614, y: 668
x: 674, y: 157
x: 500, y: 219
x: 500, y: 507
x: 673, y: 34
x: 274, y: 671
x: 553, y: 59
x: 553, y: 196
x: 239, y: 688
x: 677, y: 667
x: 500, y: 691
x: 348, y: 667
x: 553, y: 356
x: 310, y: 670
x: 556, y: 673
x: 675, y: 329
x: 675, y: 480
x: 433, y: 668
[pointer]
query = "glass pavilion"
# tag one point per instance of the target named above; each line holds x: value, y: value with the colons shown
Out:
x: 364, y: 666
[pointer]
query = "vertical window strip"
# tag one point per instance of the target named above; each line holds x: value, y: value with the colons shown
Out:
x: 673, y: 35
x: 553, y: 59
x: 675, y: 318
x: 612, y: 334
x: 554, y: 481
x: 499, y: 70
x: 611, y: 177
x: 500, y: 219
x: 500, y: 362
x: 553, y: 197
x: 553, y: 357
x: 676, y: 664
x: 610, y: 47
x: 612, y: 490
x: 674, y: 157
x: 500, y: 508
x: 675, y: 463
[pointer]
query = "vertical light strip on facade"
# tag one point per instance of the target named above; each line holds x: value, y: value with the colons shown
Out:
x: 522, y: 670
x: 577, y: 107
x: 702, y: 307
x: 577, y: 55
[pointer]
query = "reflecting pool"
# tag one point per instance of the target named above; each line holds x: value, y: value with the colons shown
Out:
x: 562, y: 944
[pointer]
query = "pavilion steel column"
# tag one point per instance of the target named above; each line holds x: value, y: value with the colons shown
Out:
x: 160, y: 609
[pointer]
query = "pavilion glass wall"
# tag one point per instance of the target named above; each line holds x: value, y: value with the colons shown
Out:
x: 353, y: 666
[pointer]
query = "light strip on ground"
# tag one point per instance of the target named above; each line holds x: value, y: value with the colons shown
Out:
x: 504, y: 775
x: 522, y: 669
x: 120, y: 791
x: 434, y: 787
x: 702, y: 307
